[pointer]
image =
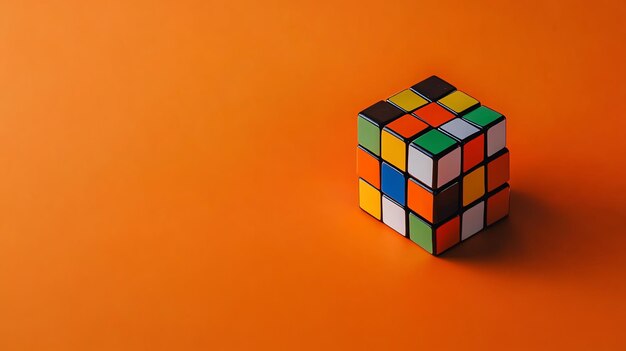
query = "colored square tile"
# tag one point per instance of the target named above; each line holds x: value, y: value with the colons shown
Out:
x: 407, y: 100
x: 369, y: 199
x: 368, y: 135
x: 393, y: 183
x: 458, y: 102
x: 496, y: 138
x: 473, y: 152
x: 433, y: 88
x: 407, y: 126
x: 483, y: 116
x: 447, y: 235
x: 460, y: 129
x: 394, y: 215
x: 472, y: 220
x: 434, y: 114
x: 368, y: 166
x: 498, y: 170
x: 421, y: 233
x: 473, y: 185
x: 498, y: 204
x: 434, y: 141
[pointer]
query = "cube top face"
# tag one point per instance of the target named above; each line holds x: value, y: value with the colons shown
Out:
x: 460, y: 129
x: 433, y: 88
x: 434, y: 114
x: 458, y: 102
x: 406, y: 126
x: 407, y: 100
x: 434, y: 142
x: 483, y: 116
x: 381, y: 113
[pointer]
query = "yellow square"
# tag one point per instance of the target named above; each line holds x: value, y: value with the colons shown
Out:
x: 408, y: 100
x: 473, y: 185
x: 458, y: 101
x: 393, y: 150
x: 369, y: 198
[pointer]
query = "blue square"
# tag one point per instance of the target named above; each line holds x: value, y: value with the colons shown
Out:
x: 393, y: 183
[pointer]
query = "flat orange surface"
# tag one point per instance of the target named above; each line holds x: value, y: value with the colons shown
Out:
x: 180, y: 175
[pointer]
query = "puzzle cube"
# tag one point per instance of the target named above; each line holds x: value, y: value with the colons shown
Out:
x: 432, y: 164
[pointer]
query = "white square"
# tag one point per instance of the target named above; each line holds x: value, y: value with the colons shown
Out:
x: 472, y: 220
x: 420, y: 166
x: 394, y: 216
x: 448, y: 167
x: 496, y: 138
x: 459, y: 128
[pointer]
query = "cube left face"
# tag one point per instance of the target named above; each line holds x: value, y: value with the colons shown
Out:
x: 370, y: 122
x: 370, y: 199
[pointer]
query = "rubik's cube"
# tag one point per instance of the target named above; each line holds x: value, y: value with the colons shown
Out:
x: 433, y: 164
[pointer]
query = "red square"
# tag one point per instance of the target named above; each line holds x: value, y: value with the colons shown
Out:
x: 498, y: 205
x: 448, y: 234
x: 434, y: 114
x: 498, y: 171
x: 473, y: 152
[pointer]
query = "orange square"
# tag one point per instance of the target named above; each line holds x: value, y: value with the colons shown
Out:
x: 420, y: 200
x: 498, y: 171
x: 473, y: 152
x: 448, y: 234
x: 407, y: 126
x: 368, y: 167
x: 434, y: 114
x: 498, y: 205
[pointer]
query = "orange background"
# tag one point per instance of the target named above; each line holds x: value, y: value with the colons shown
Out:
x: 180, y: 175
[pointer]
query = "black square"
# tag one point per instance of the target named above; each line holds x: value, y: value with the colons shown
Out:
x: 382, y: 113
x: 446, y: 202
x: 433, y: 88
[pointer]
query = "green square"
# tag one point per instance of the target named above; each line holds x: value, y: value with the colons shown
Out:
x: 369, y: 135
x: 434, y: 141
x: 421, y: 233
x: 482, y: 116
